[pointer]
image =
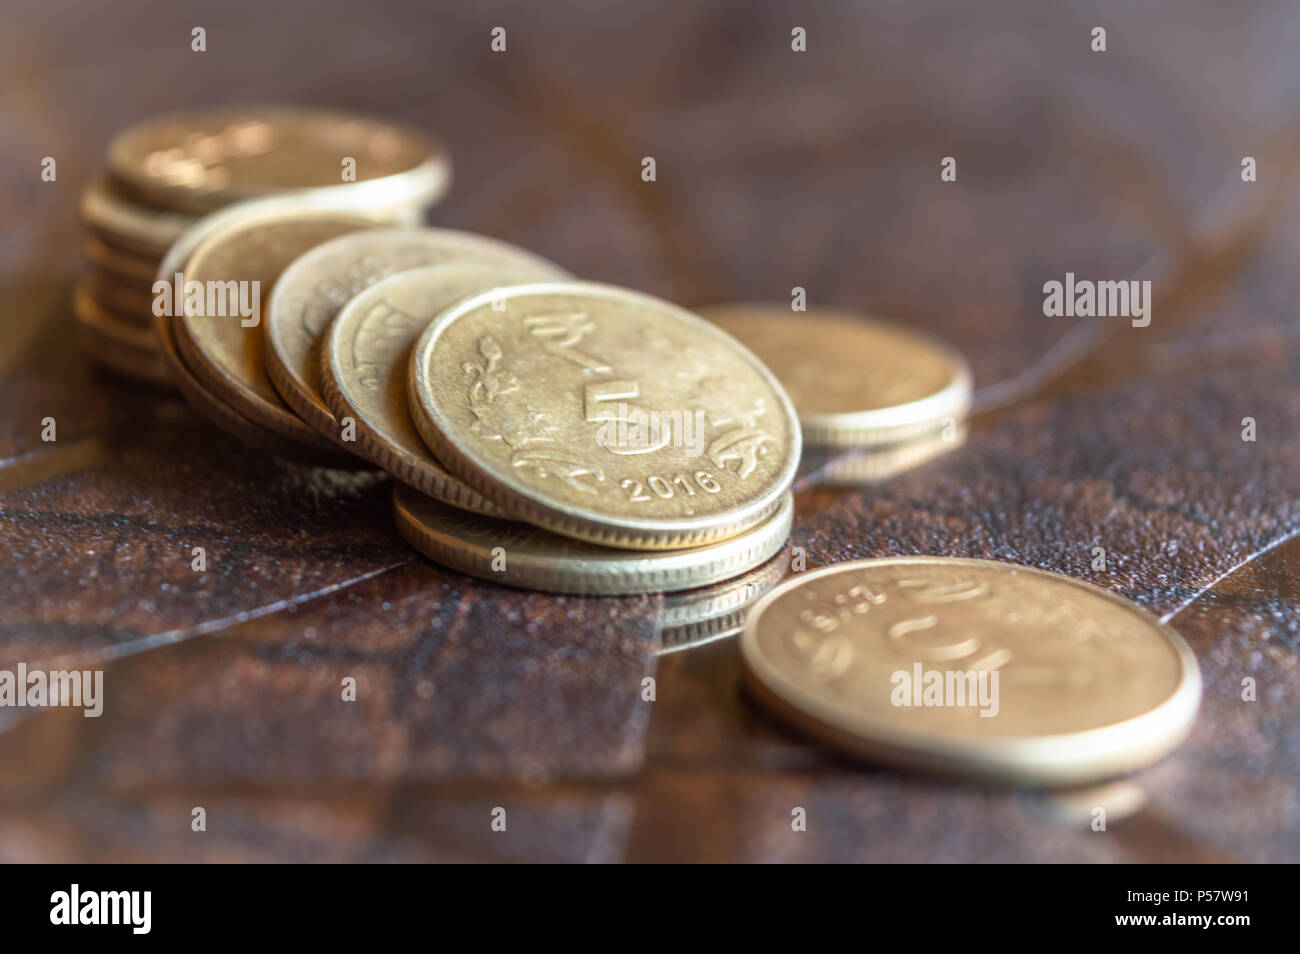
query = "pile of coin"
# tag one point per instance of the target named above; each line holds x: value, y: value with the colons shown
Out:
x: 881, y: 397
x: 164, y: 174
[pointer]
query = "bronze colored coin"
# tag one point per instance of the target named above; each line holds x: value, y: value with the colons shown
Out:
x: 125, y: 265
x: 695, y: 617
x: 128, y: 224
x: 118, y: 344
x: 516, y: 554
x: 129, y: 300
x: 317, y: 285
x: 224, y: 349
x: 201, y: 160
x: 604, y: 414
x: 972, y: 667
x: 366, y: 358
x: 854, y: 381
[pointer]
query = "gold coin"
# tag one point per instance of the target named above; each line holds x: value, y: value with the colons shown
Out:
x: 129, y: 300
x: 695, y: 617
x: 972, y: 667
x: 516, y: 554
x: 313, y: 289
x: 859, y: 466
x: 366, y: 358
x: 199, y: 161
x: 127, y: 224
x: 604, y: 414
x: 122, y: 345
x: 853, y: 380
x: 127, y: 266
x: 224, y: 349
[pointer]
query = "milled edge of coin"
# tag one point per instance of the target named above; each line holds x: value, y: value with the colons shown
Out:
x: 862, y: 466
x: 886, y: 425
x: 1034, y: 761
x: 425, y: 473
x: 421, y: 185
x: 235, y: 393
x: 602, y: 529
x: 285, y: 377
x: 611, y: 572
x: 688, y: 625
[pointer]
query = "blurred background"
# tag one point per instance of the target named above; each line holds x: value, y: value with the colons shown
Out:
x: 775, y: 169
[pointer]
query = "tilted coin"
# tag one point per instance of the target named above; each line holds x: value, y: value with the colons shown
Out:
x: 604, y: 414
x: 313, y: 289
x: 972, y: 667
x: 201, y: 160
x: 853, y: 380
x: 122, y: 221
x: 517, y: 554
x: 693, y: 618
x: 120, y: 344
x: 220, y: 340
x: 366, y: 358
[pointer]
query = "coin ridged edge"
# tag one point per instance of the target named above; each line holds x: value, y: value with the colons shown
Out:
x: 668, y: 571
x: 987, y: 759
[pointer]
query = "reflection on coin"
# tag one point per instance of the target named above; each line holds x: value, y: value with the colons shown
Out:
x: 853, y: 381
x: 201, y: 160
x: 972, y: 667
x: 604, y: 415
x: 123, y: 222
x: 858, y: 466
x: 367, y: 356
x: 695, y: 617
x: 313, y: 289
x: 225, y: 350
x: 123, y: 345
x: 519, y: 555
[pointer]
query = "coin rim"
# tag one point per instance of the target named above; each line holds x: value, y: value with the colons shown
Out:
x: 1109, y: 750
x: 623, y: 572
x: 534, y: 506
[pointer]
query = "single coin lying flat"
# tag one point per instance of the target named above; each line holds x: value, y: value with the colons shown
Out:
x: 313, y: 289
x: 517, y: 554
x: 366, y: 359
x: 972, y: 667
x: 854, y: 381
x: 604, y: 415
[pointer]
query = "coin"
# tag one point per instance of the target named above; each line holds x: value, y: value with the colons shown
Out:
x: 707, y: 614
x: 121, y: 344
x: 224, y: 350
x: 604, y: 414
x: 128, y: 224
x: 859, y: 466
x: 366, y: 358
x: 127, y: 266
x: 972, y: 667
x: 517, y: 554
x: 853, y: 380
x: 201, y: 160
x: 313, y: 288
x: 128, y: 299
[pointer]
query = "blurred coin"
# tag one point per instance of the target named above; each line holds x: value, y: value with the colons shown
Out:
x: 853, y: 380
x: 201, y: 160
x: 129, y: 299
x: 604, y: 414
x: 224, y: 349
x: 516, y: 554
x: 698, y: 616
x: 972, y: 667
x: 314, y: 287
x: 858, y: 466
x: 127, y: 266
x: 124, y: 222
x: 366, y: 361
x: 124, y: 346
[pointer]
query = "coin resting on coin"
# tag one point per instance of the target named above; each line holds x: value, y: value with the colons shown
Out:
x: 551, y: 433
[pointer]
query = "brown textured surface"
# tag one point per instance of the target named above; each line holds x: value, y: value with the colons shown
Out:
x: 774, y: 170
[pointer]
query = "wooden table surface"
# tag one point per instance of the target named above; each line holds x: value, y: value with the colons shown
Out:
x: 775, y: 169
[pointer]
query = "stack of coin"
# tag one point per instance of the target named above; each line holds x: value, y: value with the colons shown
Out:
x: 165, y: 174
x: 882, y: 397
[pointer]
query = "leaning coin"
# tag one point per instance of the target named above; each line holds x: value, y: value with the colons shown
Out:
x: 220, y: 340
x: 128, y: 224
x: 366, y: 357
x: 313, y: 289
x: 519, y: 555
x: 972, y: 667
x: 854, y: 381
x: 199, y: 161
x: 604, y: 414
